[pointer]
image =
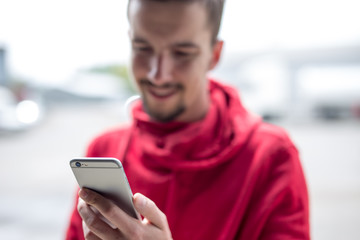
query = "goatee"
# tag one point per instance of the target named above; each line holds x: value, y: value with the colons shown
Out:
x: 158, y: 115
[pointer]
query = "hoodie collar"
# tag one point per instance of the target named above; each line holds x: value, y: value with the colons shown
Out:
x: 200, y: 144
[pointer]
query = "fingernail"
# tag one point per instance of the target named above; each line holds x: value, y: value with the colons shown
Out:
x: 83, y: 193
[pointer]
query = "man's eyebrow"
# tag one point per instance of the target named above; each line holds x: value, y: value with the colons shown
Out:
x: 139, y: 40
x: 186, y: 45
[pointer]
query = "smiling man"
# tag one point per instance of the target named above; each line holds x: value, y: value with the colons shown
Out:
x: 172, y: 52
x: 208, y: 168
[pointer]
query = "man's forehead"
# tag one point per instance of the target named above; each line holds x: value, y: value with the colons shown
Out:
x: 168, y: 13
x: 166, y: 20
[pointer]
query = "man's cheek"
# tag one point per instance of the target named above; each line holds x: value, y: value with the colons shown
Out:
x: 140, y: 65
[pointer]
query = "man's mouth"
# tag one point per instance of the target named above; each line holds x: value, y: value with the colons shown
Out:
x: 162, y: 93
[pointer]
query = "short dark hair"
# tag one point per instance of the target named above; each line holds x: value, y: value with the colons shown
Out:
x: 214, y: 9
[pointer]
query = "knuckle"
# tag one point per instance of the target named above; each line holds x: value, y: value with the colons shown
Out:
x: 89, y: 235
x: 91, y: 221
x: 137, y: 233
x: 151, y: 203
x: 94, y: 223
x: 82, y: 208
x: 163, y: 217
x: 80, y: 204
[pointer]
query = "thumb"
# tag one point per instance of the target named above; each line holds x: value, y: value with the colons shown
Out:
x: 148, y: 209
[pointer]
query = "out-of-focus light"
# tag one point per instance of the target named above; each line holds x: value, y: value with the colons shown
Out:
x: 27, y: 112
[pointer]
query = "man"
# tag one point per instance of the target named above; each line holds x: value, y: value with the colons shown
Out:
x: 208, y: 168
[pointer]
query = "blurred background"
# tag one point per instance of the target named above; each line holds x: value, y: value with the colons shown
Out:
x: 64, y: 79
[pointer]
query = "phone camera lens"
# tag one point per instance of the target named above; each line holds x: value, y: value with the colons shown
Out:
x: 78, y: 164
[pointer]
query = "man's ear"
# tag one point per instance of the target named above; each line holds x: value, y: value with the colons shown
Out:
x: 216, y: 53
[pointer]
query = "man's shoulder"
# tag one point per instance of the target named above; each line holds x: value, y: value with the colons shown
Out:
x: 273, y: 148
x: 270, y: 134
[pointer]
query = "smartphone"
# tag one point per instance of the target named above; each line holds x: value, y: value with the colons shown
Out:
x: 107, y: 177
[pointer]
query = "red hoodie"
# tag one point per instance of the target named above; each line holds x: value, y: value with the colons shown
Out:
x: 228, y: 176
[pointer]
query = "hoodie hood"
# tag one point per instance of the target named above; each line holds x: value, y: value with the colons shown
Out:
x: 197, y: 145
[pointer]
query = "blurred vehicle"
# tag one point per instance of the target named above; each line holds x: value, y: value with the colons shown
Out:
x: 17, y: 115
x: 334, y: 91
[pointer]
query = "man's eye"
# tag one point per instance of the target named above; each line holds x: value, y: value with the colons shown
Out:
x: 142, y: 49
x: 182, y: 54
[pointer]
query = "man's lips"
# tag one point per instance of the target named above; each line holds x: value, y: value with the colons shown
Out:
x: 162, y: 93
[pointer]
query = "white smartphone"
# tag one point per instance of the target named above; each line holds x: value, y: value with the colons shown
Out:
x: 107, y: 177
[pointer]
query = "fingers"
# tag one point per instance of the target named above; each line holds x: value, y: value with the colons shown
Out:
x: 154, y: 226
x: 150, y: 211
x: 94, y: 227
x: 117, y: 217
x: 88, y: 234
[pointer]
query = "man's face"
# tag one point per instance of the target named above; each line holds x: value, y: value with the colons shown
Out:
x: 171, y: 55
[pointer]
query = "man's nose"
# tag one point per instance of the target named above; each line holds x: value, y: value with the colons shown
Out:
x: 161, y: 68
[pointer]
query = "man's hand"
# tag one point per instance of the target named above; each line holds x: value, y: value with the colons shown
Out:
x: 93, y: 208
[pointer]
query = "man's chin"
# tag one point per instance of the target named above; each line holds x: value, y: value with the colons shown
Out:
x: 163, y: 112
x: 165, y: 116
